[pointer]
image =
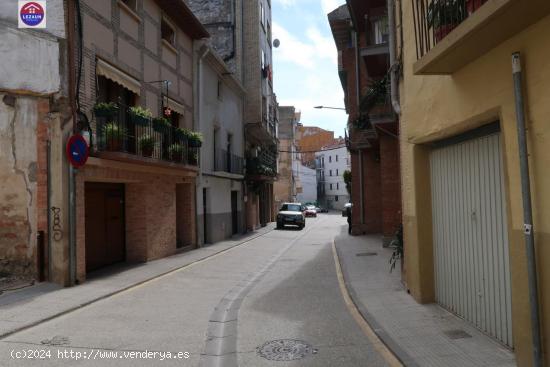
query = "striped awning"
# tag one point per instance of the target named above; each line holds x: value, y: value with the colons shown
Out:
x: 118, y: 76
x: 175, y: 106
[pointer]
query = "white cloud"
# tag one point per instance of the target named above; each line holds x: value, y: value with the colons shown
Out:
x: 305, y: 53
x: 286, y: 3
x: 330, y: 5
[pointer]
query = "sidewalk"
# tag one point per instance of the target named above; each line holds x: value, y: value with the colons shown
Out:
x: 419, y: 335
x: 30, y: 306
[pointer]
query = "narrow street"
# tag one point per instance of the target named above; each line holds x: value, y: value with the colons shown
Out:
x: 222, y: 310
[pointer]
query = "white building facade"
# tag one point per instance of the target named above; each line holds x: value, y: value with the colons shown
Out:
x: 331, y: 164
x: 308, y: 184
x: 220, y: 194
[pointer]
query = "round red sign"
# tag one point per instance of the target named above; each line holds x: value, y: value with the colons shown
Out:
x: 77, y: 151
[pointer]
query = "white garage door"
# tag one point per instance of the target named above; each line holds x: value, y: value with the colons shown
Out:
x: 472, y: 273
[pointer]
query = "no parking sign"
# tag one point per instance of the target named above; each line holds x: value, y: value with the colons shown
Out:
x: 77, y: 151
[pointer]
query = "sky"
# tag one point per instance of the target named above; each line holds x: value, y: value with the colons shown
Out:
x: 305, y: 66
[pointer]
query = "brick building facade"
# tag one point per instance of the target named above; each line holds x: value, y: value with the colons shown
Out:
x: 373, y: 127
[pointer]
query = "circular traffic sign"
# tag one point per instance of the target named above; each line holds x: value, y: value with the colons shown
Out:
x: 77, y: 151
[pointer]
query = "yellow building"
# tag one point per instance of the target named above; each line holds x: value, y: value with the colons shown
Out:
x: 461, y: 183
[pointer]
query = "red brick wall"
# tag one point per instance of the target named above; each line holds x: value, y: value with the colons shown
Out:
x: 150, y: 210
x: 391, y: 184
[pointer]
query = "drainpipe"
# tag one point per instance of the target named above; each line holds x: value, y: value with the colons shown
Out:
x: 355, y: 36
x: 202, y: 52
x: 527, y: 211
x: 394, y: 67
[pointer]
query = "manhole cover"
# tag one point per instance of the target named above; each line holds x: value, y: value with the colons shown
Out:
x: 457, y: 334
x: 285, y: 350
x: 366, y: 254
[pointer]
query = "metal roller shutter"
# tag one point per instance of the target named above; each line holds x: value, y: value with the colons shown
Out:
x: 472, y: 273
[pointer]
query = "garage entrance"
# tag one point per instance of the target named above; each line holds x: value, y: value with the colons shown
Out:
x: 472, y: 271
x: 105, y: 229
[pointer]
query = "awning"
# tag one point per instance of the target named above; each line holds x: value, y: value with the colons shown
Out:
x: 117, y: 76
x: 176, y: 107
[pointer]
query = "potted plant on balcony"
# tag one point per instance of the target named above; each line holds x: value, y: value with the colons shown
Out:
x: 161, y: 125
x: 105, y: 109
x: 175, y: 152
x: 181, y: 134
x: 140, y: 116
x: 147, y: 145
x: 194, y: 158
x: 114, y: 135
x: 443, y: 16
x: 195, y: 139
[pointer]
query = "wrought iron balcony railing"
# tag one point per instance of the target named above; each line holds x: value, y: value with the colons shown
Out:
x: 118, y: 130
x: 262, y: 167
x: 228, y: 162
x: 435, y: 19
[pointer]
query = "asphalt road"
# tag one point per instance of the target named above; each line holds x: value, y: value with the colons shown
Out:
x: 273, y: 301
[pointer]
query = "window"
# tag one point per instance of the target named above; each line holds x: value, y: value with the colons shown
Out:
x: 336, y: 171
x: 337, y: 186
x: 330, y: 173
x: 269, y: 33
x: 262, y: 15
x: 132, y: 4
x: 167, y: 32
x: 381, y: 30
x: 262, y: 60
x: 335, y: 197
x: 336, y: 157
x: 331, y: 186
x: 330, y: 159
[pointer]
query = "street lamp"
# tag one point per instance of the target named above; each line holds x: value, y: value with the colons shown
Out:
x: 330, y: 108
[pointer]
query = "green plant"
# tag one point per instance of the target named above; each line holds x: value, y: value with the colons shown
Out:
x: 181, y: 133
x: 347, y: 180
x: 175, y: 152
x: 397, y: 245
x: 141, y: 112
x: 146, y: 142
x: 195, y: 139
x: 105, y: 109
x: 112, y: 131
x: 196, y: 136
x: 161, y: 125
x: 376, y: 93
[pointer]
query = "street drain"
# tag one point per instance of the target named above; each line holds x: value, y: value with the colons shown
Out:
x: 366, y: 254
x: 285, y: 350
x: 457, y: 334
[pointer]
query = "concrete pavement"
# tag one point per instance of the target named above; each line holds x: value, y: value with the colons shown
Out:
x: 420, y: 335
x: 273, y: 298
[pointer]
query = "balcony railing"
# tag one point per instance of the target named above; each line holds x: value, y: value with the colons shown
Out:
x: 435, y: 19
x: 228, y: 162
x: 120, y: 131
x: 262, y: 167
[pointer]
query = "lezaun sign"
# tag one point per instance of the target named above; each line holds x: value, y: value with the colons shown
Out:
x: 31, y: 14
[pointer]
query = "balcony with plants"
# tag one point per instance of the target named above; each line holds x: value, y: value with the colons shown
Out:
x: 449, y: 34
x: 264, y: 166
x: 131, y: 133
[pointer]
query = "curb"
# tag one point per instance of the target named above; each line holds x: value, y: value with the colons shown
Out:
x: 384, y: 337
